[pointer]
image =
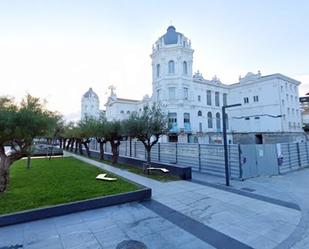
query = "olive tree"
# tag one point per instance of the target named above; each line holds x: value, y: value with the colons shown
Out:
x: 19, y: 125
x: 147, y: 127
x: 100, y: 134
x: 113, y: 135
x: 87, y: 128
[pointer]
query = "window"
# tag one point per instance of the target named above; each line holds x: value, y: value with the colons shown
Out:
x: 224, y: 99
x: 293, y: 111
x: 218, y: 121
x: 295, y: 89
x: 122, y: 111
x: 199, y: 113
x: 246, y: 100
x: 295, y: 99
x: 200, y: 127
x: 287, y: 97
x: 172, y: 92
x: 158, y: 94
x: 256, y: 117
x: 256, y: 98
x: 186, y: 117
x: 283, y: 102
x: 208, y: 97
x: 128, y: 112
x: 199, y: 98
x: 290, y: 87
x: 172, y: 118
x: 292, y: 98
x: 217, y: 99
x: 185, y: 93
x: 209, y: 119
x: 158, y: 70
x: 171, y: 67
x: 247, y: 118
x: 283, y: 116
x: 281, y: 88
x: 288, y: 111
x: 185, y: 68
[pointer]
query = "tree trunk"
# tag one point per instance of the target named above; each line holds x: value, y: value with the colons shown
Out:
x: 148, y: 151
x: 5, y: 163
x: 63, y: 143
x: 72, y: 145
x: 28, y: 162
x: 87, y: 148
x: 115, y: 152
x: 80, y: 147
x: 101, y: 145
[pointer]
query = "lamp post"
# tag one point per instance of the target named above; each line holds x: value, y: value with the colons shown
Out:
x: 226, y: 163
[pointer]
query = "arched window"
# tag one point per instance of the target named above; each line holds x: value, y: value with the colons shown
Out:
x: 128, y: 112
x: 185, y: 68
x: 199, y: 113
x: 171, y: 67
x: 209, y: 119
x: 158, y: 70
x: 218, y: 121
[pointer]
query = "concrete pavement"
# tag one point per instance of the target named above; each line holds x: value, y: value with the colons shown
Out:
x: 183, y: 215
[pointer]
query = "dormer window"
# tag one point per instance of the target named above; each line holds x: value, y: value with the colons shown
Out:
x: 171, y: 67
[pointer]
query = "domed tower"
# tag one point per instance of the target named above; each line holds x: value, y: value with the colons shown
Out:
x: 172, y: 58
x: 90, y: 105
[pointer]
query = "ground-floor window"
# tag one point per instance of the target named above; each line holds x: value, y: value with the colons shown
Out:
x: 173, y: 138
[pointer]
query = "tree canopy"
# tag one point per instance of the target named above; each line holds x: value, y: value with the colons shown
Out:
x: 19, y: 125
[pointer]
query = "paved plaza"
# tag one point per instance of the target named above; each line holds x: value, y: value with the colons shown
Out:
x: 257, y: 213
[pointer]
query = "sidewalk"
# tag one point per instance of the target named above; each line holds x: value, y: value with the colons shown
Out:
x: 256, y: 223
x: 182, y: 215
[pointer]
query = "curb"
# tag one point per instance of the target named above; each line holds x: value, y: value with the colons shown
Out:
x: 72, y: 207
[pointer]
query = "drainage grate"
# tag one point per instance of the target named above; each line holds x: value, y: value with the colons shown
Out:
x: 17, y: 246
x: 130, y: 244
x: 248, y: 189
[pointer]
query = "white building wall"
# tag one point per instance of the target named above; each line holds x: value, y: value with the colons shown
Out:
x: 277, y: 96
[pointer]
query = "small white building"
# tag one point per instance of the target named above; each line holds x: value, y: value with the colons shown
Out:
x: 269, y: 110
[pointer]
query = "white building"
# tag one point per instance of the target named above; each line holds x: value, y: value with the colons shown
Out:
x: 90, y: 105
x: 269, y: 111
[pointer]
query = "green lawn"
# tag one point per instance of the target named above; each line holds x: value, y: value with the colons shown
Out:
x: 59, y: 180
x: 156, y: 175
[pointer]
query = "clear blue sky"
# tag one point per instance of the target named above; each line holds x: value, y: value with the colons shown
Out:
x: 58, y: 49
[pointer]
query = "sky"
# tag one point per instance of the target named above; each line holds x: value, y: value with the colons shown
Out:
x: 57, y: 49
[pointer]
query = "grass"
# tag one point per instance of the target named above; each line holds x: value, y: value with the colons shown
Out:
x: 156, y: 175
x: 56, y: 181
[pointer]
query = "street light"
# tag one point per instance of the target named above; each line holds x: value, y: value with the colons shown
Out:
x: 226, y: 163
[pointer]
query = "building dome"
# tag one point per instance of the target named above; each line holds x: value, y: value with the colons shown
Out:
x: 90, y: 94
x: 171, y: 36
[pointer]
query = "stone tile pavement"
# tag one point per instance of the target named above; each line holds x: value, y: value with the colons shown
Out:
x: 255, y: 223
